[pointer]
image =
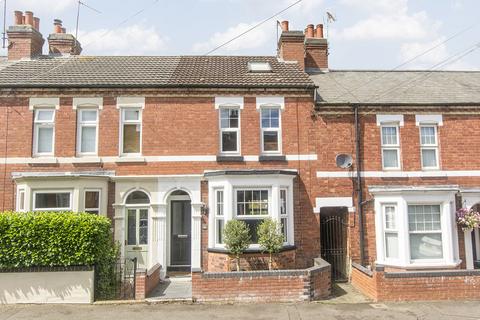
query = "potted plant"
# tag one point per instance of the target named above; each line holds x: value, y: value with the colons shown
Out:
x: 237, y: 238
x: 468, y: 219
x: 270, y: 238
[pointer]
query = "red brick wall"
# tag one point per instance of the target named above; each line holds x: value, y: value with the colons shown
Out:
x: 417, y: 286
x: 265, y: 286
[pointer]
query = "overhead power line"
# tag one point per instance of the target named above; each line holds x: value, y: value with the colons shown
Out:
x: 453, y: 36
x: 123, y: 22
x: 254, y: 27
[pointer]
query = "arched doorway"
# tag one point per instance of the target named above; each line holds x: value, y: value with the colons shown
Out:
x: 180, y: 231
x: 137, y: 205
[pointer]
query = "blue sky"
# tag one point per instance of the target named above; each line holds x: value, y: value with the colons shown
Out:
x: 368, y: 34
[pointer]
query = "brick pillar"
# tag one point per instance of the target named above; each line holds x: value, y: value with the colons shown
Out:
x: 140, y: 287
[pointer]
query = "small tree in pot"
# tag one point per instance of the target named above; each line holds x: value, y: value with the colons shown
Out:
x: 270, y: 238
x: 236, y: 236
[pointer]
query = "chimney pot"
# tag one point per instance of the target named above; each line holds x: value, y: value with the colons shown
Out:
x: 319, y: 31
x: 18, y: 17
x: 64, y: 30
x: 29, y: 18
x: 57, y: 26
x: 36, y: 23
x: 309, y: 31
x: 285, y: 25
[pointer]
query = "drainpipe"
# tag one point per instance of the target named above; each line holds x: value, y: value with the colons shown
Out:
x: 358, y: 167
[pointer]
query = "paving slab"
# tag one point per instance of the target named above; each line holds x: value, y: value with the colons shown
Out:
x: 172, y: 289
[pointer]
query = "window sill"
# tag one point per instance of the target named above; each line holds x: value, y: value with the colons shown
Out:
x: 265, y: 158
x: 251, y: 250
x: 423, y: 265
x: 81, y: 160
x: 222, y: 158
x: 43, y: 160
x: 131, y: 159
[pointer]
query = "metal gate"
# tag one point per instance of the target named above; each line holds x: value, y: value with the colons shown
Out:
x: 119, y: 282
x: 333, y: 235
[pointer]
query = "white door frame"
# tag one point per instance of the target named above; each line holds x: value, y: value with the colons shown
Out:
x: 169, y: 225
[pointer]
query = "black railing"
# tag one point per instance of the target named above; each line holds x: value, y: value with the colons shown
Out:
x: 116, y: 282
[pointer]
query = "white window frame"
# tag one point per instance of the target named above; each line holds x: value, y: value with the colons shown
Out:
x: 21, y: 205
x: 446, y: 200
x: 394, y: 147
x: 35, y: 192
x: 37, y: 124
x: 80, y: 125
x: 217, y: 216
x: 390, y: 230
x: 277, y: 130
x: 136, y: 122
x: 237, y: 130
x: 98, y: 209
x: 429, y: 146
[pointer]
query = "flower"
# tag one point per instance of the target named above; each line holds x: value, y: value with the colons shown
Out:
x: 468, y: 219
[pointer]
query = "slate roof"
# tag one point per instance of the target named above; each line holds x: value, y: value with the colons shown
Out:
x: 151, y: 71
x: 397, y: 87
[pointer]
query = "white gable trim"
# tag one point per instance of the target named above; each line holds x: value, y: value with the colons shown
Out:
x: 86, y: 102
x: 236, y: 102
x: 333, y: 202
x: 271, y: 101
x: 130, y: 102
x: 429, y: 119
x: 389, y: 118
x: 44, y: 103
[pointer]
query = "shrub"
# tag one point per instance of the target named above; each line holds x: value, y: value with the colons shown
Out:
x: 35, y: 239
x: 237, y: 238
x: 270, y: 238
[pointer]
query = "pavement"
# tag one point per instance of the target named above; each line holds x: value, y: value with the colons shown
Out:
x: 172, y: 289
x: 181, y: 311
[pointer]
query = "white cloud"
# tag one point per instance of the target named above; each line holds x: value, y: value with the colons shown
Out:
x: 131, y: 40
x: 44, y: 6
x: 376, y: 6
x: 410, y: 50
x: 253, y: 39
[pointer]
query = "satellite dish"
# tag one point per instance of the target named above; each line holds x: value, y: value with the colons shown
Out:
x: 343, y: 160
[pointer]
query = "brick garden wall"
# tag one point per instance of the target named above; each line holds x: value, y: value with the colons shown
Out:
x: 417, y: 285
x: 264, y: 286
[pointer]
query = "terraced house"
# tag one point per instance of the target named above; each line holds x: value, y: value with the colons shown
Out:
x: 363, y: 168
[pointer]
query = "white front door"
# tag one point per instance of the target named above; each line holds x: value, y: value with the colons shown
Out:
x: 136, y: 243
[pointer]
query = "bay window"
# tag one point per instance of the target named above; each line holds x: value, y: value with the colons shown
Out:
x: 270, y: 130
x: 429, y: 146
x: 52, y: 200
x: 284, y: 213
x: 44, y: 132
x: 416, y: 229
x: 229, y: 130
x: 87, y: 133
x: 390, y: 146
x: 131, y: 131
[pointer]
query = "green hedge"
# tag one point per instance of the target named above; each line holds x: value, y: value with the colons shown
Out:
x: 34, y: 239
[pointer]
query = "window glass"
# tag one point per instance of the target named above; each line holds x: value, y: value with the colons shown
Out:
x: 270, y: 127
x: 391, y: 245
x: 45, y: 140
x: 45, y: 115
x: 389, y: 135
x: 220, y: 227
x: 131, y: 227
x: 390, y: 158
x: 424, y: 224
x: 21, y: 200
x: 229, y: 141
x: 428, y: 136
x: 52, y: 200
x: 88, y: 139
x: 137, y: 197
x: 143, y: 227
x: 219, y: 211
x: 131, y: 138
x: 219, y: 217
x: 130, y: 115
x: 92, y: 202
x: 270, y: 141
x: 89, y: 115
x: 252, y: 202
x: 229, y: 118
x: 429, y: 158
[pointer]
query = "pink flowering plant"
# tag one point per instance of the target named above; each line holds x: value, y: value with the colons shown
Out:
x: 468, y: 219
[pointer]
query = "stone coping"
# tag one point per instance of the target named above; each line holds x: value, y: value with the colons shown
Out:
x: 46, y: 269
x: 362, y: 269
x: 247, y: 251
x: 320, y: 265
x: 432, y: 274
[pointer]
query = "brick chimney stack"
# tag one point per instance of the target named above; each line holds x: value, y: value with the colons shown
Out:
x: 309, y: 48
x: 24, y: 38
x: 62, y: 43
